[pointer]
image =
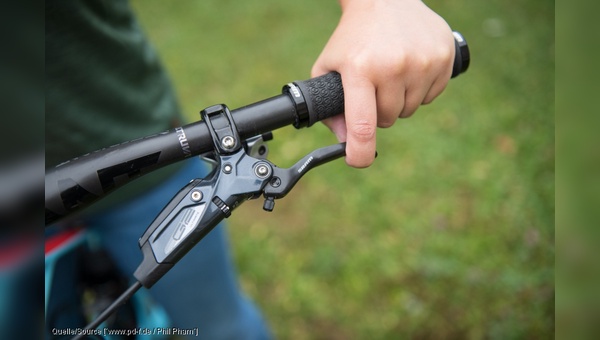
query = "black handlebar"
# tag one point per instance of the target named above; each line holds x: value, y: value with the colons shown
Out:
x: 77, y: 183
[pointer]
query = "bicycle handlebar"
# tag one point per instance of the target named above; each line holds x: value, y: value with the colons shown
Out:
x: 77, y: 183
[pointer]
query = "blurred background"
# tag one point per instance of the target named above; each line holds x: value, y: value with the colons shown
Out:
x: 449, y: 234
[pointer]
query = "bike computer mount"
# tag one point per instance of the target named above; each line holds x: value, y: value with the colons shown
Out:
x: 240, y: 172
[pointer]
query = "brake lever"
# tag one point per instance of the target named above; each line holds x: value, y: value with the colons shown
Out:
x: 284, y: 179
x: 197, y: 209
x: 203, y: 203
x: 237, y: 176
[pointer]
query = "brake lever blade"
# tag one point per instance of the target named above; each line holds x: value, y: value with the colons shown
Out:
x: 283, y: 180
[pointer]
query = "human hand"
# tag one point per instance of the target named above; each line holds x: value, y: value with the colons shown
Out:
x: 393, y: 56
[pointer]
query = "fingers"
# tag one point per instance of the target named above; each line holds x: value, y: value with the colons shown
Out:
x: 414, y: 97
x: 390, y: 102
x: 427, y: 80
x: 369, y: 107
x: 337, y: 124
x: 438, y: 86
x: 361, y: 121
x: 386, y: 74
x: 444, y: 73
x: 357, y: 126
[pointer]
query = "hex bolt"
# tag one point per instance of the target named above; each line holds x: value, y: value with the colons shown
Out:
x: 228, y: 142
x: 227, y: 168
x: 262, y: 170
x: 196, y: 195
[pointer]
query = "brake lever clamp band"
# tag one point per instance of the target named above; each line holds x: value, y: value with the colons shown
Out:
x: 222, y: 128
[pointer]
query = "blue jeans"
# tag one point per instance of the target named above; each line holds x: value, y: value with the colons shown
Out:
x: 201, y: 290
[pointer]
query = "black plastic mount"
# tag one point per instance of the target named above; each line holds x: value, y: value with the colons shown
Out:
x: 222, y: 129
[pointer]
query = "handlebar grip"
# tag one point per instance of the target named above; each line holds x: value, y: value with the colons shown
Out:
x: 324, y: 95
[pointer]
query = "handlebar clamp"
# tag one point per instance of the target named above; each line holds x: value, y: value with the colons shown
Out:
x: 222, y: 129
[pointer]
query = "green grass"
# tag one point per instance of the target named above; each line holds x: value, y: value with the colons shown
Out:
x: 450, y: 234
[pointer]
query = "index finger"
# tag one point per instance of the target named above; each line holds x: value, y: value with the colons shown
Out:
x: 361, y: 121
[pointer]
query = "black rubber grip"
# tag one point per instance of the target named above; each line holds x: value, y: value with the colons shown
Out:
x: 324, y: 95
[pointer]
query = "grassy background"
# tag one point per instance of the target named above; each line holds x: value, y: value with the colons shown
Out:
x: 450, y: 234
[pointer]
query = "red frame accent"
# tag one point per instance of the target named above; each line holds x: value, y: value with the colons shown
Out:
x: 55, y: 241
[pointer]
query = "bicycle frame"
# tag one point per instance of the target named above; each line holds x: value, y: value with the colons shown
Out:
x: 62, y: 250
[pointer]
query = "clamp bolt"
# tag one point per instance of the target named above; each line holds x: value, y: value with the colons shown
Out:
x: 262, y: 170
x: 228, y: 142
x: 196, y: 195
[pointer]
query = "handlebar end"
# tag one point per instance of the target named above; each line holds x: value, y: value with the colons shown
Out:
x: 462, y: 56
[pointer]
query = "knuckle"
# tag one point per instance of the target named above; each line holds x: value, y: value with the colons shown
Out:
x: 393, y: 68
x: 362, y: 131
x: 355, y: 60
x: 360, y: 65
x: 444, y: 55
x: 423, y: 63
x: 396, y: 67
x: 447, y: 54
